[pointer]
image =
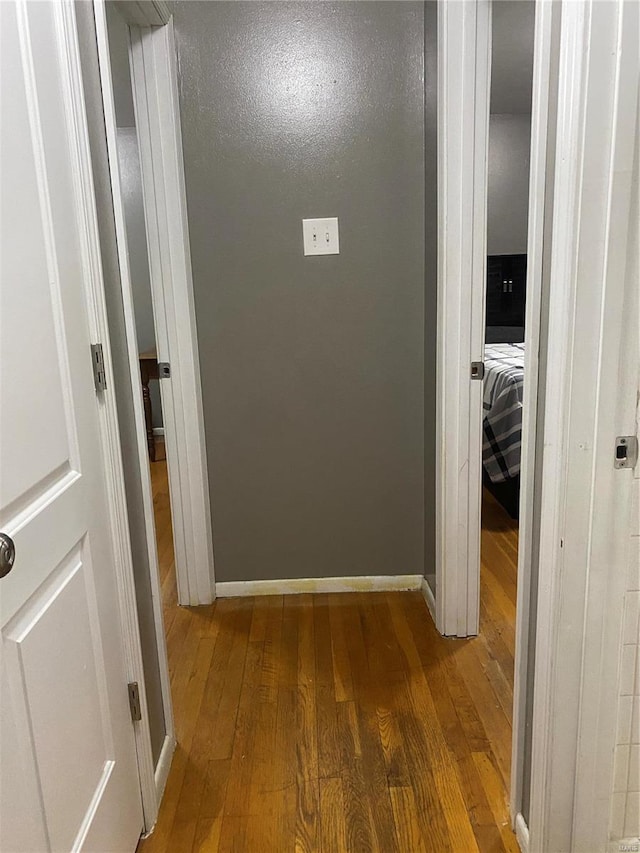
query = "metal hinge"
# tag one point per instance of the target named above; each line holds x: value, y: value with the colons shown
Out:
x: 477, y: 369
x: 626, y: 452
x: 164, y: 370
x: 134, y: 701
x: 99, y: 373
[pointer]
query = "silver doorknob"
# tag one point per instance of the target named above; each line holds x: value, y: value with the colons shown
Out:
x: 7, y: 554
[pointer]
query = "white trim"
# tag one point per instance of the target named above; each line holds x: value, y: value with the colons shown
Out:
x: 522, y: 833
x: 108, y: 417
x: 427, y: 594
x: 476, y: 284
x: 360, y: 583
x: 566, y: 207
x: 162, y: 774
x: 154, y: 79
x: 611, y: 520
x: 535, y: 243
x: 590, y: 397
x: 566, y: 203
x: 164, y: 765
x: 464, y: 41
x: 158, y: 432
x: 147, y: 774
x: 464, y: 56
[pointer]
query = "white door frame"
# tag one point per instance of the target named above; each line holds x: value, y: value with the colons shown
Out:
x: 153, y: 779
x: 464, y: 46
x: 110, y: 436
x: 583, y: 530
x: 590, y: 398
x: 155, y: 94
x: 464, y: 40
x: 464, y: 61
x: 539, y: 188
x: 155, y: 90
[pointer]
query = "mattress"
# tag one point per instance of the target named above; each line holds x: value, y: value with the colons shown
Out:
x: 502, y: 402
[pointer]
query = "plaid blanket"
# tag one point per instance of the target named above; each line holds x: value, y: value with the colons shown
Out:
x: 503, y: 383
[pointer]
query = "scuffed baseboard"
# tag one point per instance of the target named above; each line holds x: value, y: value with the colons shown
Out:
x: 428, y: 597
x: 362, y: 583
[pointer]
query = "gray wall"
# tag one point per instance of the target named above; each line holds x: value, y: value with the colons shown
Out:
x: 512, y: 37
x: 120, y: 74
x: 512, y: 30
x: 122, y: 376
x: 508, y: 184
x: 312, y: 368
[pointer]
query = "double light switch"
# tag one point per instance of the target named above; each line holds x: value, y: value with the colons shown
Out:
x: 320, y: 236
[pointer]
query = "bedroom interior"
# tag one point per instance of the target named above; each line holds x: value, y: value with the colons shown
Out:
x: 507, y: 208
x: 512, y: 39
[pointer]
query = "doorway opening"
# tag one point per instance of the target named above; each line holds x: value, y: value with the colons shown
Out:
x: 492, y: 205
x: 138, y: 77
x: 156, y: 581
x: 149, y: 367
x: 506, y: 336
x: 508, y: 161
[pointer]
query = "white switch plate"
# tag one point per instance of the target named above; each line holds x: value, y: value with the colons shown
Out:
x: 320, y: 236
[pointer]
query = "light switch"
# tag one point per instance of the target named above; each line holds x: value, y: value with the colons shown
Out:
x: 320, y: 236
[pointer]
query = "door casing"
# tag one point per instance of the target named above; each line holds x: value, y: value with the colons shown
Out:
x: 152, y: 57
x: 575, y: 674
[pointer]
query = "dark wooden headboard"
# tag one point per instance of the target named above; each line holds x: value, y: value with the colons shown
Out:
x: 506, y: 296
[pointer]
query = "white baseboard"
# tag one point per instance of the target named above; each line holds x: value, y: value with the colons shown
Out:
x: 160, y: 778
x: 361, y: 583
x: 158, y: 432
x: 428, y: 597
x: 164, y: 765
x: 522, y: 833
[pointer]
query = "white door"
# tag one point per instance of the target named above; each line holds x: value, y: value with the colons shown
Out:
x: 68, y: 772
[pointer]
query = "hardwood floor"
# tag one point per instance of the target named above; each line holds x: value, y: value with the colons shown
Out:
x: 339, y: 722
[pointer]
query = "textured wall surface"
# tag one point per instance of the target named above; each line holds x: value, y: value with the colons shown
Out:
x: 508, y: 184
x: 512, y: 32
x: 312, y: 368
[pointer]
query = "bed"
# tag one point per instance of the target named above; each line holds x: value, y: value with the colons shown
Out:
x: 504, y: 378
x: 504, y: 375
x: 502, y: 422
x: 502, y: 403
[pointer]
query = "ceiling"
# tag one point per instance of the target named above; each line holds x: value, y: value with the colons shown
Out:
x: 512, y: 56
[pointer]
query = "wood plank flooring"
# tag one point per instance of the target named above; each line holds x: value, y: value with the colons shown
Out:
x: 339, y: 722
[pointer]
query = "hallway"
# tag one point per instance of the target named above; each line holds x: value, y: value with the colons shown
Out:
x: 339, y: 722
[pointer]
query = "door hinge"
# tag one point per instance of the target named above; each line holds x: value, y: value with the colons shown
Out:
x: 477, y: 369
x: 99, y: 373
x: 626, y: 451
x: 134, y: 701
